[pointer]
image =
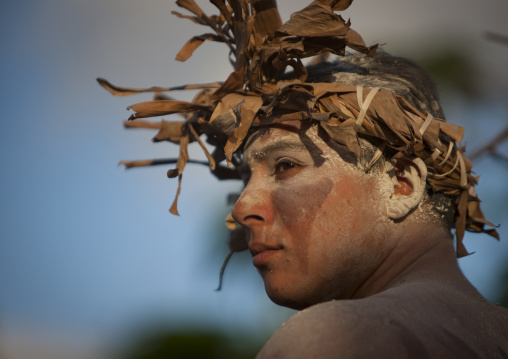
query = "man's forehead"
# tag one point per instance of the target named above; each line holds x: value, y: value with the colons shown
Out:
x: 274, y: 140
x: 275, y: 130
x: 269, y: 140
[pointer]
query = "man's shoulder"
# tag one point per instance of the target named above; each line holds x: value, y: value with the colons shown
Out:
x: 338, y: 328
x: 404, y: 323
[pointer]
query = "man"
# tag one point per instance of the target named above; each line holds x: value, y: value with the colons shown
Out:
x: 368, y: 256
x: 352, y: 184
x: 384, y: 287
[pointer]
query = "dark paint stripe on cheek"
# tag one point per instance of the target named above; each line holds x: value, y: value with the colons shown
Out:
x: 293, y: 201
x: 297, y: 206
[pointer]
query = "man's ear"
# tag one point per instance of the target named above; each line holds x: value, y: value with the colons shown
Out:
x: 404, y: 185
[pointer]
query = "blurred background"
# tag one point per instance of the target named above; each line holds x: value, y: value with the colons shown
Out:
x: 92, y: 265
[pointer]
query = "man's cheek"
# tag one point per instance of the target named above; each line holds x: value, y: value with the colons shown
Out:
x: 299, y: 203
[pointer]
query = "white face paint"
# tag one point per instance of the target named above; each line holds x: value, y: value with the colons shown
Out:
x: 415, y: 173
x: 317, y: 226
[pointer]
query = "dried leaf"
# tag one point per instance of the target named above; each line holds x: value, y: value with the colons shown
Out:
x: 195, y: 9
x: 226, y: 122
x: 183, y: 156
x: 322, y: 57
x: 231, y: 224
x: 141, y: 124
x: 267, y: 17
x: 223, y: 269
x: 164, y: 107
x: 227, y: 115
x: 194, y: 19
x: 237, y: 243
x: 126, y: 91
x: 169, y: 131
x: 143, y: 163
x: 344, y: 134
x: 460, y: 223
x: 156, y: 162
x: 354, y: 38
x: 339, y: 5
x: 174, y: 206
x: 355, y: 42
x: 233, y: 83
x: 454, y: 131
x: 317, y: 19
x: 296, y: 97
x: 327, y: 89
x: 211, y: 161
x: 248, y: 110
x: 224, y: 10
x: 243, y: 31
x: 192, y: 7
x: 190, y: 46
x: 172, y: 173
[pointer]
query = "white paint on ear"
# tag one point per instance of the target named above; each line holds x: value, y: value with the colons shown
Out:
x: 414, y: 171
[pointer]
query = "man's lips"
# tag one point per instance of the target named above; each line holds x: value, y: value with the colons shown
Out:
x: 262, y: 253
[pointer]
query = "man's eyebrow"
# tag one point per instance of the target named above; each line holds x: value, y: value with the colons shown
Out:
x: 270, y: 148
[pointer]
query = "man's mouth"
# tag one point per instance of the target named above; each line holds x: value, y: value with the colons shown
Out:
x: 261, y: 253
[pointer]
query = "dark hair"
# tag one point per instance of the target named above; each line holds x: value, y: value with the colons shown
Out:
x: 399, y: 75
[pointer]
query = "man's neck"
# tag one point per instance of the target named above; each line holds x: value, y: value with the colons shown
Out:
x: 421, y: 254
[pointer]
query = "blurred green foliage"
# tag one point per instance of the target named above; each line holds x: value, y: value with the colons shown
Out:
x: 503, y: 298
x: 189, y: 344
x: 453, y: 69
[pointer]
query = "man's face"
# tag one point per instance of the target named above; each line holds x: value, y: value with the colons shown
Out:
x: 315, y: 223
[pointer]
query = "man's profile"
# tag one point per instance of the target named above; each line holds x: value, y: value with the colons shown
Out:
x: 353, y: 184
x: 368, y: 256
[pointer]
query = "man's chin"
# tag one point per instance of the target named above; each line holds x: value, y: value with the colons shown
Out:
x: 289, y: 300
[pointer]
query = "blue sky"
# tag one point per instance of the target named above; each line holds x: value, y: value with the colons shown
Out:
x: 91, y: 249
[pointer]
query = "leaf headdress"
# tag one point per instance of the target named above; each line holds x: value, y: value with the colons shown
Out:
x: 259, y: 92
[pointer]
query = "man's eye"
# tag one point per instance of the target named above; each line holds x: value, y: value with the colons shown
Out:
x: 285, y: 168
x: 284, y: 165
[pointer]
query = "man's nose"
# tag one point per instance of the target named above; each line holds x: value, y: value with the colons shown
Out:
x: 253, y: 208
